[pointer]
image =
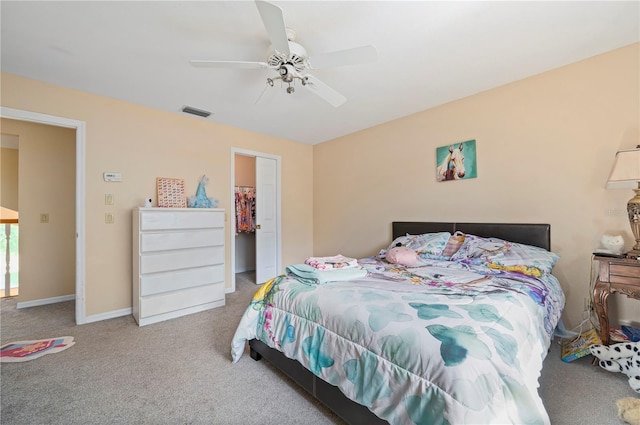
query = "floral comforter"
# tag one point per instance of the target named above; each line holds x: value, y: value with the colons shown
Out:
x: 444, y: 343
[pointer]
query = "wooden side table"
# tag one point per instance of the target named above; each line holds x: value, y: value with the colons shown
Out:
x: 614, y: 275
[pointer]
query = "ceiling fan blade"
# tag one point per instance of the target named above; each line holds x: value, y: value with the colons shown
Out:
x: 324, y: 91
x: 229, y: 64
x: 273, y: 20
x: 355, y: 56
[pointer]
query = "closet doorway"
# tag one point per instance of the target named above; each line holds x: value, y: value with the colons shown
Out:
x: 254, y: 223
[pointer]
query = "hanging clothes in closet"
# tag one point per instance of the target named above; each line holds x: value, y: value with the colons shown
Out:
x: 245, y: 209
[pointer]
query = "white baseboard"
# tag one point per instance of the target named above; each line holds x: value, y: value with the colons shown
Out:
x: 88, y: 319
x: 108, y: 315
x: 46, y: 301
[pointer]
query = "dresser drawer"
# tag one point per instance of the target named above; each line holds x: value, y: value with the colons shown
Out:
x: 162, y: 241
x: 624, y: 271
x: 177, y: 300
x: 160, y: 220
x: 176, y: 260
x: 624, y: 274
x: 158, y: 283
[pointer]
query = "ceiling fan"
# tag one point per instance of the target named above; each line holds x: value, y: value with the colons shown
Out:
x: 291, y: 61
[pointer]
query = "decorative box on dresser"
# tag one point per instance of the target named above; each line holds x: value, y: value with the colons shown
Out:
x: 178, y: 262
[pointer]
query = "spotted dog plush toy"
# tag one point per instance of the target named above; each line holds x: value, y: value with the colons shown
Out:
x: 623, y: 357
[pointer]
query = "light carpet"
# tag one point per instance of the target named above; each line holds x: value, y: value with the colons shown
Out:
x: 180, y: 372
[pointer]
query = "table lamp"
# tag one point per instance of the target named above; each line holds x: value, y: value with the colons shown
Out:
x: 626, y: 170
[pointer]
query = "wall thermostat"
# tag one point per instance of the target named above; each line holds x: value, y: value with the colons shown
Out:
x: 112, y: 177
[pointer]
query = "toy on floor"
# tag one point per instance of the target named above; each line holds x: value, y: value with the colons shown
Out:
x: 201, y: 200
x: 623, y: 357
x: 629, y: 410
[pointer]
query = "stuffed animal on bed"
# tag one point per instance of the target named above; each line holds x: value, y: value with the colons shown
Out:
x: 623, y: 357
x: 402, y: 255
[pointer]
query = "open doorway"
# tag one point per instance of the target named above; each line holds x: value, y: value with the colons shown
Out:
x: 254, y: 218
x: 9, y: 216
x: 79, y: 272
x: 245, y: 217
x: 10, y: 260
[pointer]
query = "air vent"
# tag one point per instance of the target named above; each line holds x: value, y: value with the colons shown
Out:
x: 196, y: 111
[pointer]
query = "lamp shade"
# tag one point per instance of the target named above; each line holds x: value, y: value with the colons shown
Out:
x: 626, y: 170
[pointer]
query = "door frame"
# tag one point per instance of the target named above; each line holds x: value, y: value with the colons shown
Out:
x: 80, y: 127
x: 232, y: 213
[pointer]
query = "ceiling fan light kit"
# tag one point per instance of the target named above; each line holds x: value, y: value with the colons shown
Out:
x: 291, y: 61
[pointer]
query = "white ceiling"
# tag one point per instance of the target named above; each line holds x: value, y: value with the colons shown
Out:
x: 429, y: 53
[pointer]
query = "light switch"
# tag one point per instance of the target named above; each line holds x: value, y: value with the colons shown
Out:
x: 44, y: 217
x: 108, y: 218
x: 108, y: 199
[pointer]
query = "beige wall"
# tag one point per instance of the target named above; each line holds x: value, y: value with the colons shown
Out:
x: 144, y: 143
x: 245, y: 170
x: 545, y: 147
x: 46, y: 185
x: 9, y: 178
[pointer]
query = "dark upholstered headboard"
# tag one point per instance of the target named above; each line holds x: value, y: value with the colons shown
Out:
x: 529, y: 234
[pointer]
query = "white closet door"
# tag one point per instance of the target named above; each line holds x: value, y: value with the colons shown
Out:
x: 266, y: 220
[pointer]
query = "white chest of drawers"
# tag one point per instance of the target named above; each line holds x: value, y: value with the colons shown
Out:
x: 178, y: 262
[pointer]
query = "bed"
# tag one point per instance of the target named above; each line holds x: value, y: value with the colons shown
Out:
x: 455, y: 338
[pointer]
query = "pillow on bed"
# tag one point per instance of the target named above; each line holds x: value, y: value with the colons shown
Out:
x: 525, y: 259
x: 453, y: 244
x: 427, y: 245
x: 476, y: 247
x: 400, y: 241
x: 402, y: 255
x: 508, y: 256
